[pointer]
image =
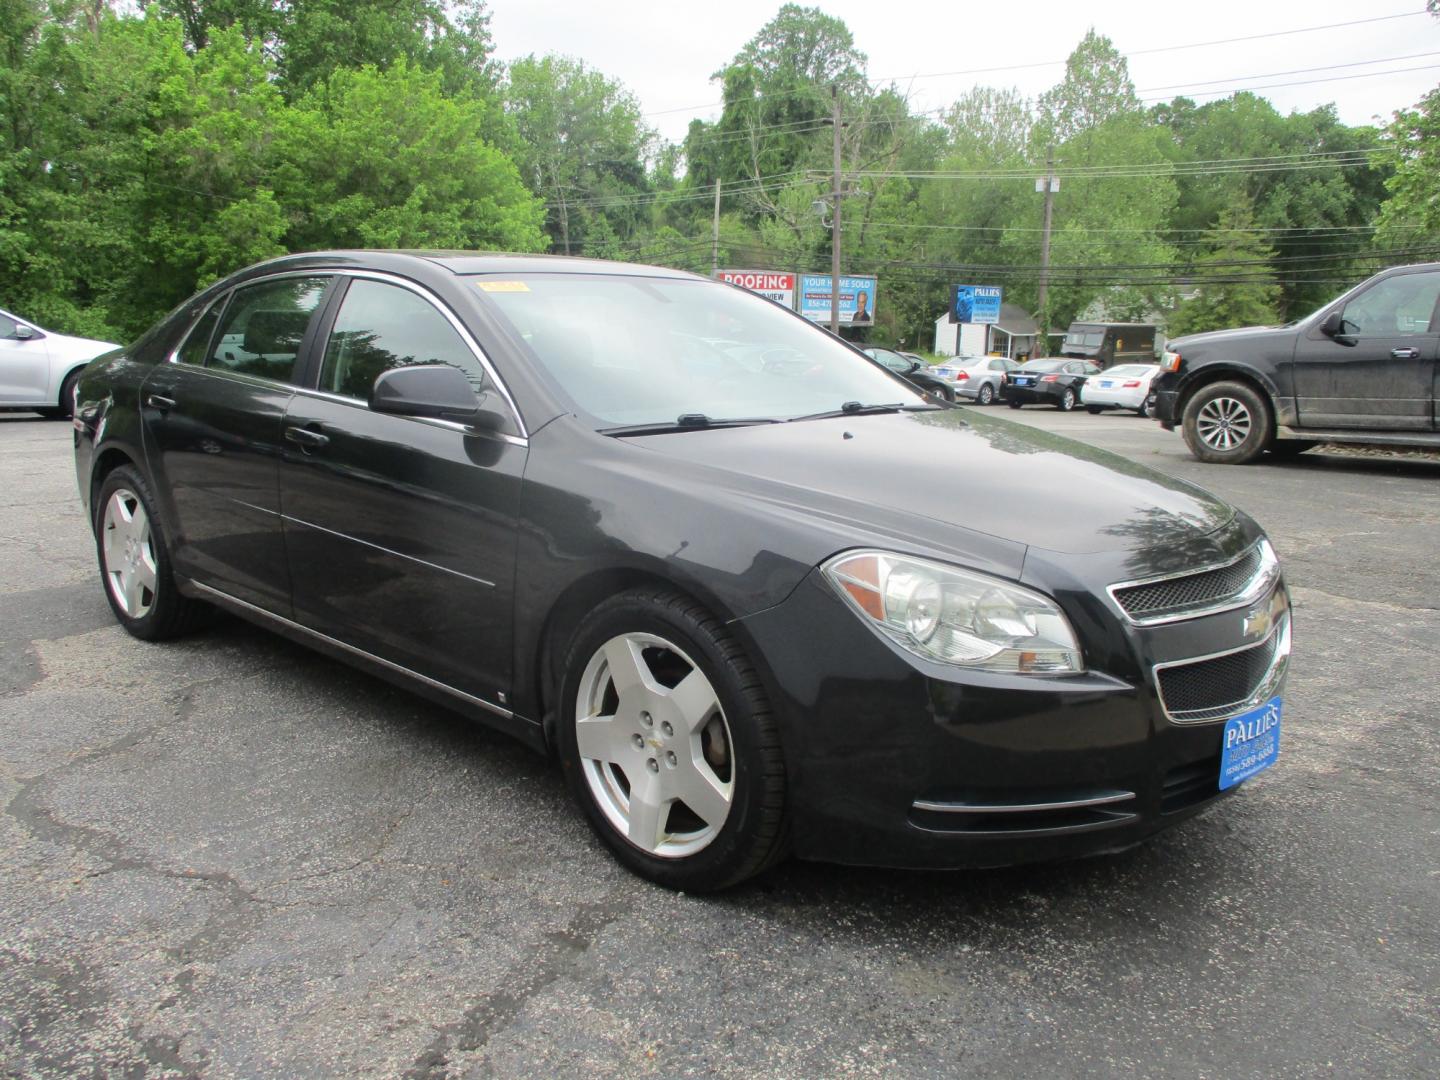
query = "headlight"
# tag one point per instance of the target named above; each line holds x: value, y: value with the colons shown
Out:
x: 956, y: 616
x: 1170, y: 361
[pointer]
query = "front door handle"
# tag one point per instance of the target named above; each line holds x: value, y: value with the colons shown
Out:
x: 306, y: 438
x: 1405, y: 354
x: 159, y: 401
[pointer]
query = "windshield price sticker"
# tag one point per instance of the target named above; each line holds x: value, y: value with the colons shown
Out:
x: 486, y: 285
x: 1250, y: 744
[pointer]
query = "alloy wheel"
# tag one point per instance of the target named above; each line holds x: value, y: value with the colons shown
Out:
x: 129, y: 548
x: 1223, y: 423
x: 654, y: 745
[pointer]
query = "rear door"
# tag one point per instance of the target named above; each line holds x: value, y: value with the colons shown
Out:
x: 212, y: 418
x: 401, y: 531
x: 1379, y: 372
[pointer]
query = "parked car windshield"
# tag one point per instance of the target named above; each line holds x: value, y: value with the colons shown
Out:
x: 1042, y: 365
x: 644, y: 350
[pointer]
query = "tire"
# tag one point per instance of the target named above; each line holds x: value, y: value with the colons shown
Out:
x: 66, y: 407
x: 944, y: 393
x: 1227, y: 423
x: 986, y: 396
x: 1094, y: 410
x: 134, y: 558
x: 1012, y: 403
x: 1144, y: 410
x: 1288, y: 448
x: 713, y: 742
x: 1067, y: 400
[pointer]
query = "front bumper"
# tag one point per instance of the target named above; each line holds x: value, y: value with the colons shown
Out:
x: 1166, y: 402
x: 895, y: 761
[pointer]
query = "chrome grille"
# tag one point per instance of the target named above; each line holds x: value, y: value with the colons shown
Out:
x: 1217, y: 687
x: 1178, y: 594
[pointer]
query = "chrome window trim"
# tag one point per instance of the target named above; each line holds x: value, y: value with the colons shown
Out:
x: 433, y: 421
x: 173, y: 357
x: 454, y: 320
x: 380, y: 660
x: 241, y: 377
x: 1262, y: 693
x: 1265, y: 575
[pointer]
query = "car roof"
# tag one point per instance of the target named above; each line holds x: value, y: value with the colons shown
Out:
x: 470, y: 262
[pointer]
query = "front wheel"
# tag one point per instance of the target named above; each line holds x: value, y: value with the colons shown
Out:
x: 135, y: 561
x: 1067, y: 400
x: 1144, y: 410
x: 944, y: 393
x: 669, y: 745
x: 1227, y: 423
x: 986, y: 394
x: 66, y: 406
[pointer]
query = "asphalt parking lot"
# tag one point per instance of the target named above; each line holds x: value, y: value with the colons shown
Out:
x: 227, y: 857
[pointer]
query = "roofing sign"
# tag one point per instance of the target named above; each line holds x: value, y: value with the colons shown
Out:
x: 773, y: 286
x: 976, y: 304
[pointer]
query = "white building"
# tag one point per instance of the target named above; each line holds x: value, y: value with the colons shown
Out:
x: 1013, y: 336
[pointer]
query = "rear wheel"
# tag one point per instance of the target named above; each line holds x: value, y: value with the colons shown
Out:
x: 944, y: 393
x: 1067, y: 400
x: 1013, y: 403
x: 135, y: 561
x: 66, y: 406
x: 986, y: 394
x: 1227, y: 423
x: 669, y: 745
x: 1094, y: 410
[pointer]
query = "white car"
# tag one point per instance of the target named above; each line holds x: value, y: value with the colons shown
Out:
x: 1125, y: 386
x: 38, y: 368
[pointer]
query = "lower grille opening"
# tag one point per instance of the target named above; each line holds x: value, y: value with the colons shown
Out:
x: 1046, y: 811
x: 1217, y: 687
x: 1190, y: 785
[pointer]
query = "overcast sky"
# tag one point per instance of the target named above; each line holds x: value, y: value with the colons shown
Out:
x: 664, y: 51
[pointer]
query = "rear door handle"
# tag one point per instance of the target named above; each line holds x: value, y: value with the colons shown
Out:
x: 159, y: 401
x: 1405, y: 354
x: 305, y: 438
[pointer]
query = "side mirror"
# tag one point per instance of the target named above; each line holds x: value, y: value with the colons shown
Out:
x: 438, y: 391
x: 23, y: 333
x: 1334, y: 324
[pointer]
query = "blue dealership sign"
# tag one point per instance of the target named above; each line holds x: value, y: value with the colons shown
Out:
x: 976, y: 304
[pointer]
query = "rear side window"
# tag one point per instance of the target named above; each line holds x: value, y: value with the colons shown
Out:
x: 197, y: 343
x: 261, y: 331
x: 380, y: 327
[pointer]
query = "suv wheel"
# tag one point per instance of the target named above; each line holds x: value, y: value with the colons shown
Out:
x: 1227, y: 423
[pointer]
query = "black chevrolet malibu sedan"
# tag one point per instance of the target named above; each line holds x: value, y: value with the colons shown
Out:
x: 755, y: 593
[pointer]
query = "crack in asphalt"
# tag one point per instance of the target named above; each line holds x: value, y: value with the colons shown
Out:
x: 557, y: 955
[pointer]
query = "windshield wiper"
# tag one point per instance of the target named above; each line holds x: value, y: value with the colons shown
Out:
x: 687, y: 422
x: 855, y: 408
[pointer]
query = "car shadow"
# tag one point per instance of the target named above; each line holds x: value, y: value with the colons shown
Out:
x: 1331, y: 461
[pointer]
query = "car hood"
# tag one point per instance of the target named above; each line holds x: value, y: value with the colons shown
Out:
x: 1240, y: 334
x: 960, y: 468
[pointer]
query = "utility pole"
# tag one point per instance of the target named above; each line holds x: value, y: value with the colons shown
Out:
x: 837, y: 195
x: 1051, y: 184
x: 715, y: 232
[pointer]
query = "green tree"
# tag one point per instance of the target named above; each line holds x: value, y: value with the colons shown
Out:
x: 1410, y: 148
x: 1235, y: 285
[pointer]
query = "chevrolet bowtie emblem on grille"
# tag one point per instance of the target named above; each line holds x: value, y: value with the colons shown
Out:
x: 1257, y: 622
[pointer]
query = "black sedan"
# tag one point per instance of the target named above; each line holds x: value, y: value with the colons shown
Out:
x: 1048, y: 382
x: 799, y: 608
x: 913, y: 370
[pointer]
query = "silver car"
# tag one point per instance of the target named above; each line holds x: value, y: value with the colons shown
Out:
x: 976, y: 377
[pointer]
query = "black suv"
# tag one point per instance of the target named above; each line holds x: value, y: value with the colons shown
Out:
x: 1362, y: 369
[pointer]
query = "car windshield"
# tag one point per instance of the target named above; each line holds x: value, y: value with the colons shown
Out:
x: 1042, y: 365
x: 1131, y: 369
x: 647, y: 350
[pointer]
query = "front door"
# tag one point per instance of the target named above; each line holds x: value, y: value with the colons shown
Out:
x: 401, y: 531
x: 1378, y: 372
x: 212, y: 422
x: 24, y: 364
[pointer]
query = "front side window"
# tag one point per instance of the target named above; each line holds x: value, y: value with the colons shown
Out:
x: 197, y: 342
x: 264, y: 325
x: 382, y: 326
x: 1396, y: 306
x: 648, y: 350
